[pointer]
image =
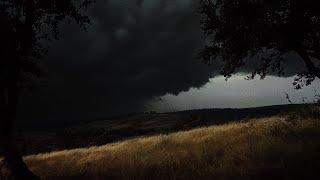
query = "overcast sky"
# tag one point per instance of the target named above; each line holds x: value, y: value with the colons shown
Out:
x: 135, y: 52
x: 237, y: 93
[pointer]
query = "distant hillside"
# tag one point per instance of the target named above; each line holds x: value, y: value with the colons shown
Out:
x: 277, y: 147
x: 217, y: 116
x: 102, y: 131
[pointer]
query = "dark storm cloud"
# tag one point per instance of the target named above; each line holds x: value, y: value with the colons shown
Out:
x: 134, y: 51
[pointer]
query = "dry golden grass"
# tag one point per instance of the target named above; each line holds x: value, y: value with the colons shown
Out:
x: 275, y: 147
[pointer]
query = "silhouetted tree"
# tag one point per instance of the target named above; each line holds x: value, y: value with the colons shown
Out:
x: 24, y: 24
x: 237, y: 30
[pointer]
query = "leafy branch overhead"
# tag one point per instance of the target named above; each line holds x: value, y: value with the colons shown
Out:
x: 26, y: 23
x: 238, y: 30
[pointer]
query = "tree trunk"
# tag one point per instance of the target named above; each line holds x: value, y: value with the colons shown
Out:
x: 14, y: 162
x: 12, y: 159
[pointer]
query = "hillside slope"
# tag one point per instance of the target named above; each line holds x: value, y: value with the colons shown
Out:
x: 278, y: 147
x: 103, y: 131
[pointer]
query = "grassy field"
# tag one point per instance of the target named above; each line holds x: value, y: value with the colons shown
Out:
x: 97, y: 132
x: 277, y: 147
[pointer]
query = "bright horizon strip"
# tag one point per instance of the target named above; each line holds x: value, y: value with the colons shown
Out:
x: 237, y: 93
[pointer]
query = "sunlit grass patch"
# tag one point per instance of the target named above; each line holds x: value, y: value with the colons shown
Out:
x: 278, y: 147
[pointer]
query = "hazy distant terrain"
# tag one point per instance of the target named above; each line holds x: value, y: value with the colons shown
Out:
x: 284, y: 146
x: 113, y: 129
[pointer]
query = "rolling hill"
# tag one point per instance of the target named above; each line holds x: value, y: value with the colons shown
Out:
x: 284, y: 146
x: 113, y: 129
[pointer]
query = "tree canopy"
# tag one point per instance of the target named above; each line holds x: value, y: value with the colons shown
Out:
x: 25, y: 24
x: 240, y: 29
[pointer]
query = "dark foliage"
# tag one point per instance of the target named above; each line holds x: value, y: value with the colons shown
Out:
x: 25, y: 26
x: 265, y: 30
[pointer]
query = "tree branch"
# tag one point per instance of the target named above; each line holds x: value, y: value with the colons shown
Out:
x: 310, y: 65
